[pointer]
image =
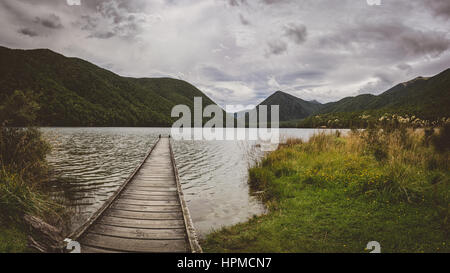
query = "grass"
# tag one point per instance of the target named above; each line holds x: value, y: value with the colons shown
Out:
x: 335, y: 194
x: 13, y: 239
x: 23, y: 173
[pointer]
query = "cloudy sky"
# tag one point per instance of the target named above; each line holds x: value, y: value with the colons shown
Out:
x: 241, y: 51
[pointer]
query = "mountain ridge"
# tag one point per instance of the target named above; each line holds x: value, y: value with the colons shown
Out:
x: 75, y: 92
x: 426, y: 97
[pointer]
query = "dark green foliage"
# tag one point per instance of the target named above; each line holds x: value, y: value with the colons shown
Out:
x: 428, y: 98
x: 73, y: 92
x: 18, y: 109
x: 22, y: 150
x: 428, y: 133
x: 441, y: 141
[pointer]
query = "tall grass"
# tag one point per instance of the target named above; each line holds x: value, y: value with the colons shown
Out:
x: 335, y: 193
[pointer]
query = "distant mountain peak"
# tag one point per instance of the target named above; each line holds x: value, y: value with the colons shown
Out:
x: 291, y: 107
x: 419, y: 78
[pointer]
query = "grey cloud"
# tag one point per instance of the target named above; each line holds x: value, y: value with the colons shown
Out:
x: 419, y: 42
x: 270, y: 2
x: 112, y: 19
x: 28, y: 32
x: 102, y: 35
x: 276, y: 47
x: 236, y: 3
x: 88, y: 22
x: 392, y: 38
x: 215, y: 74
x: 244, y: 21
x: 405, y: 67
x: 307, y: 86
x: 383, y: 81
x: 296, y: 32
x: 439, y: 8
x: 289, y: 78
x: 51, y: 21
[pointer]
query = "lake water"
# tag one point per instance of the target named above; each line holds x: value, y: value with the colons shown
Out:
x: 89, y: 164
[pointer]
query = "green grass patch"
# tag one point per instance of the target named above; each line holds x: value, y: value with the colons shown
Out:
x: 333, y: 194
x: 12, y: 239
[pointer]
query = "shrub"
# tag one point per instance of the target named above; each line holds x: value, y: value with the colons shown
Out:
x: 23, y: 151
x: 441, y: 141
x: 17, y: 198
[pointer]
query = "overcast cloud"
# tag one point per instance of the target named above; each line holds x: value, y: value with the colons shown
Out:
x: 241, y: 51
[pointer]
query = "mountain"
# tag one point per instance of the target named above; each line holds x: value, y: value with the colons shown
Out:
x: 74, y: 92
x: 291, y: 107
x: 425, y: 97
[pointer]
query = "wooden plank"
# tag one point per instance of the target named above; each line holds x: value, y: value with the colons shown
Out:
x: 139, y: 223
x: 148, y: 203
x: 144, y: 215
x: 149, y: 197
x: 150, y: 168
x: 150, y: 193
x: 155, y: 182
x: 90, y: 249
x: 147, y: 208
x: 134, y: 245
x: 136, y: 233
x: 153, y: 178
x: 143, y: 187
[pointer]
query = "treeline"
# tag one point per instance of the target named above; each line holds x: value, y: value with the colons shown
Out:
x: 367, y: 119
x: 74, y: 92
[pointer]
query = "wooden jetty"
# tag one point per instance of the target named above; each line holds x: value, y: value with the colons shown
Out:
x: 146, y: 214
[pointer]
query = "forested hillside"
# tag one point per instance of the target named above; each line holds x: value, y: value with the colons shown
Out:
x: 74, y: 92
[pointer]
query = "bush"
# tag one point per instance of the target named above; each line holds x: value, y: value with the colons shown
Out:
x: 17, y: 198
x: 23, y: 151
x: 441, y: 141
x: 22, y: 169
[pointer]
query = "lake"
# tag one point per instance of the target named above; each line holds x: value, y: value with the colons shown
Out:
x: 89, y: 164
